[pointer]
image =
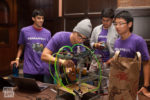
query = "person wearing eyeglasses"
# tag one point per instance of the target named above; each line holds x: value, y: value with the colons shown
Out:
x: 102, y: 41
x: 129, y: 43
x: 81, y: 33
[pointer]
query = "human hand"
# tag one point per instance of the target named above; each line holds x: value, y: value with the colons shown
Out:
x: 14, y: 62
x: 68, y: 63
x: 99, y: 45
x: 144, y: 91
x: 109, y: 61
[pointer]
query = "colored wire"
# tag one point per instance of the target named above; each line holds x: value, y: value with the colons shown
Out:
x: 57, y: 75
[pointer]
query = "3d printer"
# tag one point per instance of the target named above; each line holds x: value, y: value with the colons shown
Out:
x: 78, y: 81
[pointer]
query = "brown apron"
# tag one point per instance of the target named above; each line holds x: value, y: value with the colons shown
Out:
x: 124, y: 77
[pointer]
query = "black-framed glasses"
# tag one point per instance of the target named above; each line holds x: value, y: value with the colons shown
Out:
x: 120, y: 24
x: 81, y: 37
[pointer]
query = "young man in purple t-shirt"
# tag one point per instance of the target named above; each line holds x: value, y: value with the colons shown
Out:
x: 128, y: 44
x: 32, y: 40
x: 102, y: 40
x: 80, y: 33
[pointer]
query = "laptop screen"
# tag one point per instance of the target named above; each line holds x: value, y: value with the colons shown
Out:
x: 28, y: 84
x: 4, y: 83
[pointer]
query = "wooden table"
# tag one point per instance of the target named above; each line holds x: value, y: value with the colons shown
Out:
x: 47, y: 94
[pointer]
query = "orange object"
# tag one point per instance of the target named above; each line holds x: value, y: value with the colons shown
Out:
x: 71, y: 73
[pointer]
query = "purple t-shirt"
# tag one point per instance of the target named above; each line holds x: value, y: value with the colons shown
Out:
x: 34, y: 41
x: 58, y: 40
x: 131, y: 45
x: 104, y: 53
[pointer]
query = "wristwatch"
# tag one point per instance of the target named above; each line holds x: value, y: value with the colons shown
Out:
x: 147, y: 87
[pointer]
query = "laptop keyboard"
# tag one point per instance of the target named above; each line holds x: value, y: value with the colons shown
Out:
x: 41, y: 88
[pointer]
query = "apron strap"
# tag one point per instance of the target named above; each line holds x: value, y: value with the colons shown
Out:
x: 116, y: 55
x: 138, y: 57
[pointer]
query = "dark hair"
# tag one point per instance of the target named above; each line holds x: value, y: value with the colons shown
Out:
x: 107, y: 12
x: 126, y: 16
x: 37, y: 12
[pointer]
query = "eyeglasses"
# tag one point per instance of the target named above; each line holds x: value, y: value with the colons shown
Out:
x: 120, y: 24
x: 81, y: 37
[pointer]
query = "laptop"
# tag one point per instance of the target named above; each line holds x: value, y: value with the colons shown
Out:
x: 5, y: 83
x: 29, y: 84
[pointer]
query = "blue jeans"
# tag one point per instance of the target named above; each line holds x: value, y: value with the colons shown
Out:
x: 48, y: 79
x: 38, y: 77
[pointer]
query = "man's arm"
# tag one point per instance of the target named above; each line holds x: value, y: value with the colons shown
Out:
x: 20, y: 50
x: 47, y: 57
x: 16, y: 61
x: 146, y: 70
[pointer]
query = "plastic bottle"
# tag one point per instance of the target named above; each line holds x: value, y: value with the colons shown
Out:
x: 15, y: 70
